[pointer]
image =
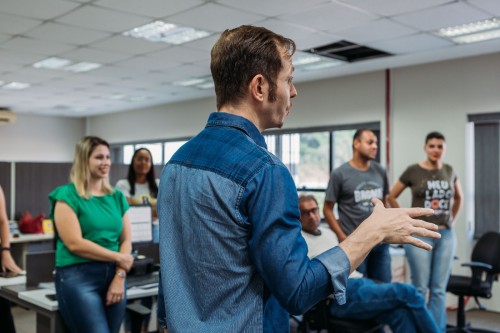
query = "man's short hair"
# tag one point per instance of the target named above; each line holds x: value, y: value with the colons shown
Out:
x: 358, y: 134
x: 307, y: 197
x: 434, y: 135
x: 242, y: 53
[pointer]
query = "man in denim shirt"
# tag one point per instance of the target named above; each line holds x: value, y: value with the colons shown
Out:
x: 232, y: 255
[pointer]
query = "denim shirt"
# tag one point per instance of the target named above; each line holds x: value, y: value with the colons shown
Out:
x: 232, y: 255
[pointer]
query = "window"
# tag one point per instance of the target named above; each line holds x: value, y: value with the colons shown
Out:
x: 486, y: 172
x: 161, y: 151
x: 170, y: 148
x: 311, y: 154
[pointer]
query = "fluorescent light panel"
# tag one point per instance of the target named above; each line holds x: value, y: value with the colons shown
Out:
x: 170, y: 33
x: 66, y: 64
x: 478, y: 37
x: 472, y: 32
x: 16, y: 85
x: 310, y: 62
x: 469, y: 28
x: 52, y: 63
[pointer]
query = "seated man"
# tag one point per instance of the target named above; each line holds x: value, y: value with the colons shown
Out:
x: 398, y: 305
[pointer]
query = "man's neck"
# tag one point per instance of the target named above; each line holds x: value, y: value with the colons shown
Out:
x: 359, y: 163
x: 246, y: 110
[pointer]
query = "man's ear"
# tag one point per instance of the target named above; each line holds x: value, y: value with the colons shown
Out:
x: 258, y: 87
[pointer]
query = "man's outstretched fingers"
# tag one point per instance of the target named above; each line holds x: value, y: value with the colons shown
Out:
x: 419, y: 211
x: 418, y: 243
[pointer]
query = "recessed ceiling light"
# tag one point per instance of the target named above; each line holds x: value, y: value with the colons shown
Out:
x: 190, y: 82
x: 206, y: 85
x: 82, y: 67
x: 16, y: 85
x: 309, y: 62
x: 170, y: 33
x: 469, y: 28
x: 52, y: 63
x: 472, y: 32
x: 477, y: 37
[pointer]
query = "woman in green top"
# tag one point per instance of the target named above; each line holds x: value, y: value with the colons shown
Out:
x: 93, y: 244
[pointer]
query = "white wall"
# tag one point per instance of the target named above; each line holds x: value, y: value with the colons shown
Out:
x: 161, y: 122
x: 40, y: 139
x: 439, y: 97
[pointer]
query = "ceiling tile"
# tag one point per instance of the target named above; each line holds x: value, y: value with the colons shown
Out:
x: 214, y: 18
x: 152, y: 8
x: 442, y: 16
x: 330, y: 17
x: 304, y: 37
x: 46, y: 9
x: 375, y: 30
x: 10, y: 24
x: 66, y: 34
x: 415, y: 43
x: 129, y: 45
x: 391, y: 7
x: 146, y: 64
x: 20, y: 58
x: 33, y: 45
x: 204, y: 44
x: 271, y: 8
x: 179, y: 54
x: 491, y: 6
x: 92, y: 17
x: 93, y: 55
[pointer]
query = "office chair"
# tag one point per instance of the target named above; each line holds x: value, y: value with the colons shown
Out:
x: 318, y: 318
x: 485, y: 267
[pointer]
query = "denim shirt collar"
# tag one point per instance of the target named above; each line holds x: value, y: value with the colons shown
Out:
x: 217, y: 119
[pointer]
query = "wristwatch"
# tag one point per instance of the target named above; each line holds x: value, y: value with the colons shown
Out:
x: 121, y: 274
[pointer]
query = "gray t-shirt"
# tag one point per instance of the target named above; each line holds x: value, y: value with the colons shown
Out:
x: 431, y: 189
x: 353, y: 190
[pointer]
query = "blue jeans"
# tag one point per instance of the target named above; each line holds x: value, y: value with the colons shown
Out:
x: 398, y: 305
x: 81, y: 293
x: 430, y: 271
x: 377, y: 265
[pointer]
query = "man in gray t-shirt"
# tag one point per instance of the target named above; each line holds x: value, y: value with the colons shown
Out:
x: 351, y: 187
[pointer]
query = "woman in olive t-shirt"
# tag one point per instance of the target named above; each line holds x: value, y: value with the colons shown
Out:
x: 93, y: 245
x: 433, y: 185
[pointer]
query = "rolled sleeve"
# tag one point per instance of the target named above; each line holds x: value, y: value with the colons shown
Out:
x: 338, y: 265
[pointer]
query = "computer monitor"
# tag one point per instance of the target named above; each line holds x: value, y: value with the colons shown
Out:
x: 141, y: 220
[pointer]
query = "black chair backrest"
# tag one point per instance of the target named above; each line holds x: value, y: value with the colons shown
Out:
x: 487, y: 250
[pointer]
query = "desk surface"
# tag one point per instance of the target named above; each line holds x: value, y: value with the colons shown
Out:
x: 39, y: 297
x: 21, y: 279
x: 25, y: 238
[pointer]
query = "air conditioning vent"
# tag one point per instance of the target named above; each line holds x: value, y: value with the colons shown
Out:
x: 348, y: 51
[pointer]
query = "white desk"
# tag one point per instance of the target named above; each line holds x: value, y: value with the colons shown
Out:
x: 21, y: 279
x: 29, y: 243
x: 39, y: 296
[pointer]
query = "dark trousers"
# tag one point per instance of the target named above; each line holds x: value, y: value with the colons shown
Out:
x: 6, y: 320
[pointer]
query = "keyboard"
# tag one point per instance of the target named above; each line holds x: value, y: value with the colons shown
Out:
x: 142, y: 281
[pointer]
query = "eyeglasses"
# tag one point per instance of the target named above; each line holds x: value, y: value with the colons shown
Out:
x: 314, y: 211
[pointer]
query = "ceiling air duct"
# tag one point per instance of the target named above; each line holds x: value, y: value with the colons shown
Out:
x: 6, y: 115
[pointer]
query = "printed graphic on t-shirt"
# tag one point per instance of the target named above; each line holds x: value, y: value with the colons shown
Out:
x: 437, y: 196
x: 364, y: 193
